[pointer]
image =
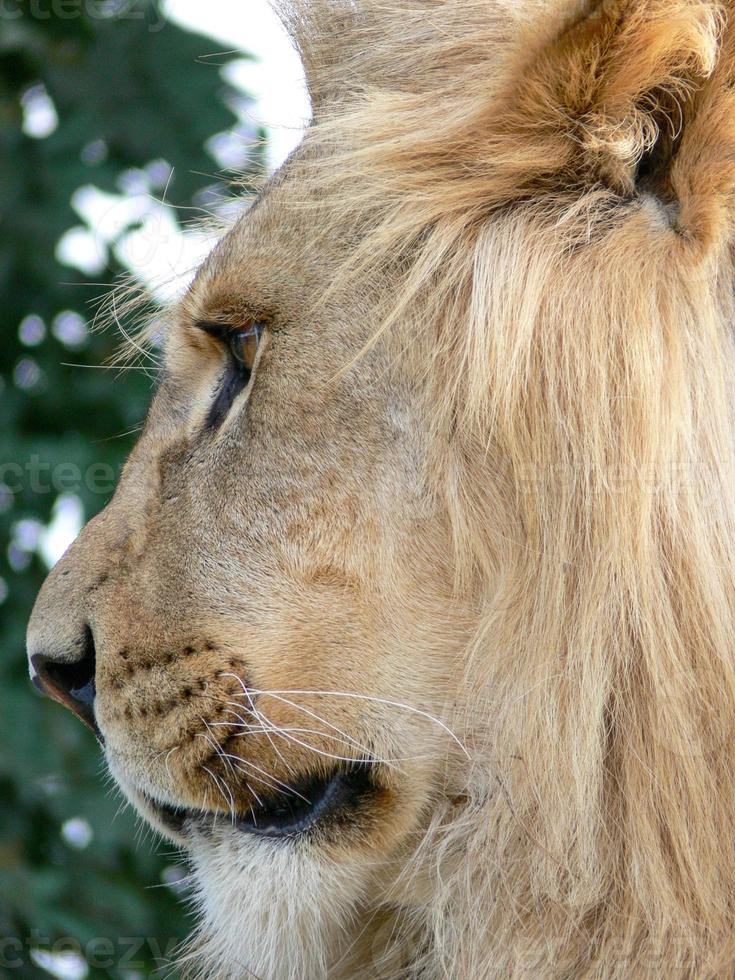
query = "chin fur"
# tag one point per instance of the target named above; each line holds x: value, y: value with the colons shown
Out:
x: 275, y: 910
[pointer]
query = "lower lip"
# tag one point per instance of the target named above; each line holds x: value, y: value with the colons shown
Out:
x: 176, y: 820
x: 326, y: 800
x: 311, y: 803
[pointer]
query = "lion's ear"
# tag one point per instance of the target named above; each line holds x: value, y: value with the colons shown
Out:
x: 632, y: 80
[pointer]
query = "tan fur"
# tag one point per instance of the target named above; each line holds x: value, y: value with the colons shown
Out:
x: 483, y: 482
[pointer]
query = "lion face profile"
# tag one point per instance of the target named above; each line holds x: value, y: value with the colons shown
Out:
x: 412, y: 618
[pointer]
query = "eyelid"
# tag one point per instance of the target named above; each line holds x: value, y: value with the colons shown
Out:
x: 225, y: 331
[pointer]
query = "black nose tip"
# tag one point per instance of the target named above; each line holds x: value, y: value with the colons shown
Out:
x: 71, y: 684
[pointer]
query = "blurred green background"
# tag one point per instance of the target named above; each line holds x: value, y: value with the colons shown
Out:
x: 110, y: 99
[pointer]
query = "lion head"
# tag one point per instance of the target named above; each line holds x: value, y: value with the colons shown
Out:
x: 412, y: 617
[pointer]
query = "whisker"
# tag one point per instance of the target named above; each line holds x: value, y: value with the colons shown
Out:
x: 106, y: 367
x: 365, y: 750
x: 268, y: 779
x: 383, y: 760
x: 384, y: 701
x: 168, y: 756
x: 231, y: 801
x: 307, y: 711
x: 257, y: 715
x: 219, y: 751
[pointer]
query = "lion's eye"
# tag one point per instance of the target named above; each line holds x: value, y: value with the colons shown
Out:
x: 242, y: 344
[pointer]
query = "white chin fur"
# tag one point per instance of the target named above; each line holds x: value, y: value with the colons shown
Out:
x: 270, y: 909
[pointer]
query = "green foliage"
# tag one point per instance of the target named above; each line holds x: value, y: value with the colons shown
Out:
x: 128, y: 89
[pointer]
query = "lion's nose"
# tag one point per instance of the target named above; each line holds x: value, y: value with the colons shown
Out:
x: 70, y: 683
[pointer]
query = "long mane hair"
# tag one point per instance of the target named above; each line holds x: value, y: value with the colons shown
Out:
x: 547, y: 185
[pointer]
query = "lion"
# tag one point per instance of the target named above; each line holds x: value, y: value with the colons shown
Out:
x: 412, y: 618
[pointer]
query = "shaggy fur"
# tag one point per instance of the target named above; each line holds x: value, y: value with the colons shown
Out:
x: 566, y: 210
x: 488, y: 487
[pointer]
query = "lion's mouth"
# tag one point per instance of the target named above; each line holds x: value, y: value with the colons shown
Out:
x: 314, y: 801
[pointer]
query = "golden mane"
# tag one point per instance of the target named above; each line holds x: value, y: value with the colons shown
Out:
x: 543, y: 192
